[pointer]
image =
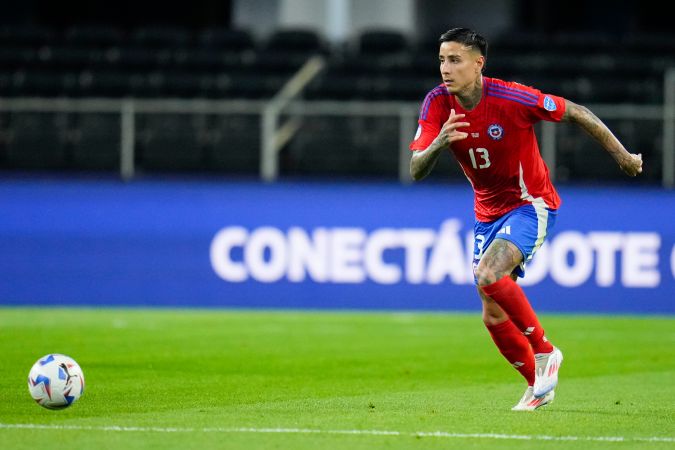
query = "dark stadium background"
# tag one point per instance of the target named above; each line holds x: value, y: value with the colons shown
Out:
x: 127, y: 128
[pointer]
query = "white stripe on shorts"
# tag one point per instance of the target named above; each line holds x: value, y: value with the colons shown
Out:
x: 541, y: 210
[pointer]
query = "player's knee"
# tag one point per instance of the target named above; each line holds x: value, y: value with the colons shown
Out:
x: 485, y: 275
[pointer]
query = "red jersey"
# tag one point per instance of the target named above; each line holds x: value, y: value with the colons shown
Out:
x: 500, y: 156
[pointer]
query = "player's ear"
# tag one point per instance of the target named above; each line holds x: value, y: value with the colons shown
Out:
x: 480, y: 64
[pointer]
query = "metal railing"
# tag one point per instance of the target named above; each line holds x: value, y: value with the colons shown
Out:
x: 273, y: 136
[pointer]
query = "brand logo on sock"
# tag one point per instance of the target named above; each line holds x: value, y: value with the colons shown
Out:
x: 528, y: 331
x: 518, y: 364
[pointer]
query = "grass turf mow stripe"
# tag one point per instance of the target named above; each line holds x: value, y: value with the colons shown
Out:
x: 440, y: 434
x: 311, y: 379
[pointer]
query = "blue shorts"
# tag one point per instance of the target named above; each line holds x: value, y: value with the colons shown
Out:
x: 526, y: 227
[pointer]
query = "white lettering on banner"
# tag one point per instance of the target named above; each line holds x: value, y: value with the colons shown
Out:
x: 346, y: 254
x: 576, y: 273
x: 269, y: 269
x: 221, y: 249
x: 415, y: 243
x: 425, y: 255
x: 470, y: 255
x: 448, y: 256
x: 606, y: 245
x: 381, y: 272
x: 308, y: 255
x: 640, y: 261
x: 537, y: 267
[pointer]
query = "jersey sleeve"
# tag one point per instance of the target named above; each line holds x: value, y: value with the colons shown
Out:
x: 430, y: 119
x: 548, y: 107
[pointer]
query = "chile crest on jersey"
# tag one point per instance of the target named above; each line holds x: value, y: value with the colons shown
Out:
x: 495, y: 131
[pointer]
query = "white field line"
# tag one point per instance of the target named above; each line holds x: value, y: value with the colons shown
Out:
x: 439, y: 434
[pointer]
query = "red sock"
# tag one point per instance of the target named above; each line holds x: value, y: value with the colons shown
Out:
x: 515, y: 347
x: 513, y: 301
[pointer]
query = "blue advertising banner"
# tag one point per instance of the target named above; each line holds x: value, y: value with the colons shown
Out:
x: 317, y: 245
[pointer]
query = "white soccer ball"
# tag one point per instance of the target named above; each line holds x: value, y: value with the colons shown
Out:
x: 55, y: 381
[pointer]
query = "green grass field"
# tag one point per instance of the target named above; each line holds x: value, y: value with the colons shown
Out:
x: 328, y: 380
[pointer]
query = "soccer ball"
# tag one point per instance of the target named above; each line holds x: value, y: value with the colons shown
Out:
x: 55, y: 381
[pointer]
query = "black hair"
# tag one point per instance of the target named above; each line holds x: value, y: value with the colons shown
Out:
x: 466, y: 37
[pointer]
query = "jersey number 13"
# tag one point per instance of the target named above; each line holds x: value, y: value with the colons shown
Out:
x: 480, y: 158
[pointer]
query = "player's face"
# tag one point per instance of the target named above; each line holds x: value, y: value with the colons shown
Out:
x: 460, y: 66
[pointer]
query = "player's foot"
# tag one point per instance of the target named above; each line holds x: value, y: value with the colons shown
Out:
x: 529, y: 402
x: 546, y: 371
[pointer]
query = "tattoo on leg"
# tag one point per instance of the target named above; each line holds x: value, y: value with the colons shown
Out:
x: 500, y: 259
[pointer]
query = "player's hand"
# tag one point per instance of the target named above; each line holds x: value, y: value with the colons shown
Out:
x: 449, y: 133
x: 632, y: 165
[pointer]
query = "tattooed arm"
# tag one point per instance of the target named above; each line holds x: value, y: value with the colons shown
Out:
x: 423, y: 161
x: 630, y: 163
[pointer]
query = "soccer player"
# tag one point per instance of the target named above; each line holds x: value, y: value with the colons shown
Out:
x: 487, y: 124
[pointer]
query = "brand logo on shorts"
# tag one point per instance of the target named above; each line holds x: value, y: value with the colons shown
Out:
x: 505, y: 230
x: 495, y: 131
x: 549, y: 104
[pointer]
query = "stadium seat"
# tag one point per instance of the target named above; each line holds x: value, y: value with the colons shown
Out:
x: 73, y: 57
x: 234, y: 144
x: 380, y: 67
x: 211, y: 59
x: 572, y: 42
x: 185, y: 84
x: 131, y: 57
x: 226, y: 39
x: 344, y: 146
x: 221, y: 63
x: 26, y: 35
x: 170, y: 141
x: 295, y: 41
x: 649, y: 44
x: 4, y: 135
x: 322, y: 146
x: 255, y: 85
x: 156, y: 37
x: 382, y: 42
x: 285, y: 51
x: 96, y: 141
x: 94, y: 36
x: 520, y: 41
x: 115, y: 83
x: 37, y: 140
x: 18, y: 57
x: 335, y: 85
x: 38, y: 83
x: 6, y: 84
